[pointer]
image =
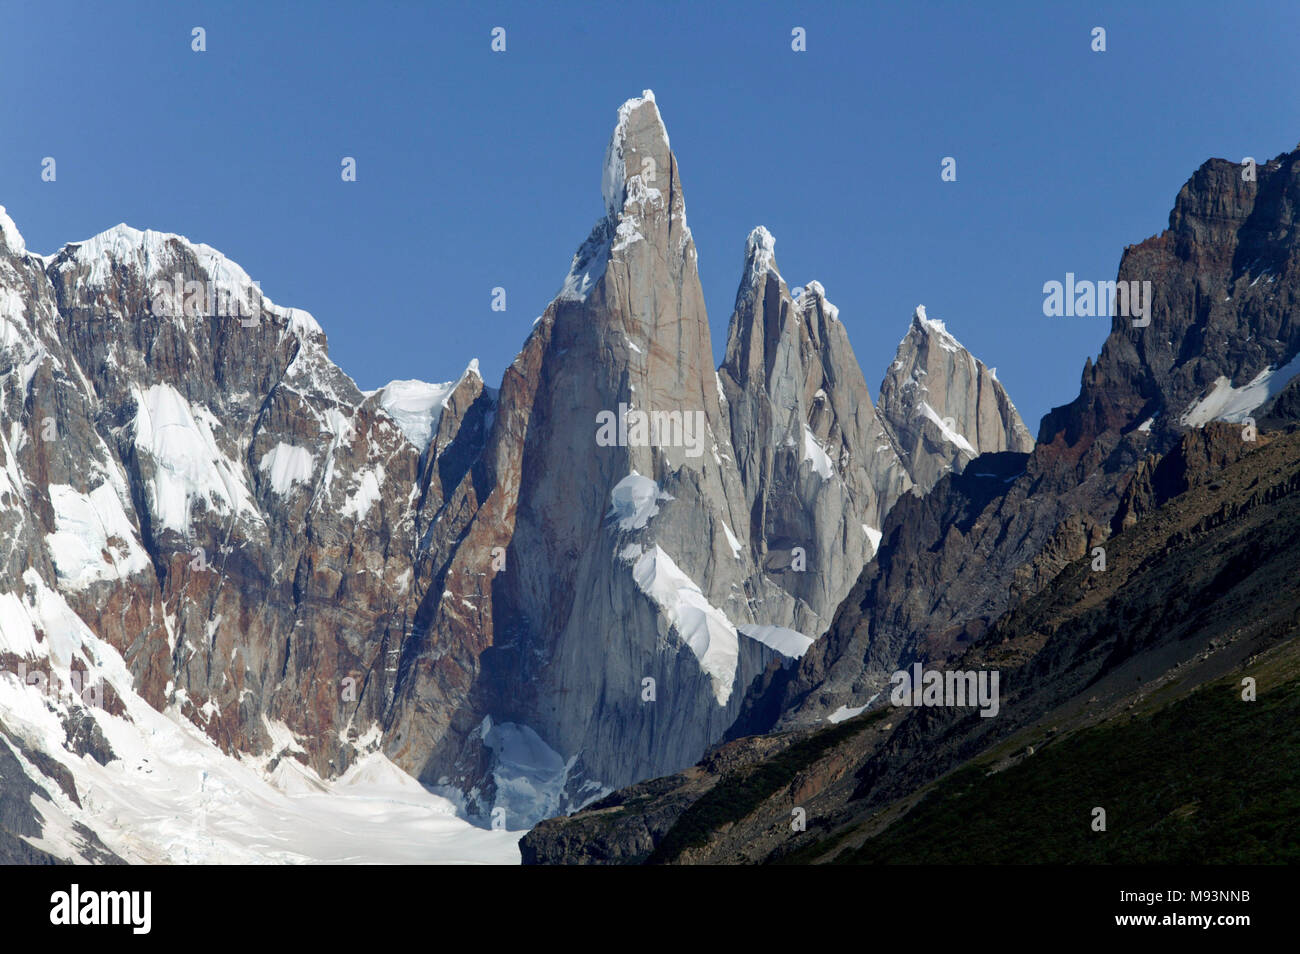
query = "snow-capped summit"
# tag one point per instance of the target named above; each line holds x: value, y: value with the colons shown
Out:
x: 158, y: 259
x: 760, y: 261
x: 225, y: 531
x: 635, y: 126
x: 760, y: 250
x: 933, y: 326
x: 642, y: 197
x: 154, y: 253
x: 814, y: 295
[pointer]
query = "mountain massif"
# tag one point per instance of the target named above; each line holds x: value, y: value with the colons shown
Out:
x: 649, y: 607
x: 524, y: 597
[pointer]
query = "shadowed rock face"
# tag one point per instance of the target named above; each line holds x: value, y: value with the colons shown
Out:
x: 1224, y: 279
x: 528, y: 595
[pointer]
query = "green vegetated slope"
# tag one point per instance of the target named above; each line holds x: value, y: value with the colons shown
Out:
x: 1209, y: 779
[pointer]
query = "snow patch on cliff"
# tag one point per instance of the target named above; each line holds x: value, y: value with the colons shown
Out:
x: 288, y: 465
x: 93, y: 538
x: 787, y: 642
x: 366, y: 494
x: 701, y: 625
x: 13, y: 238
x: 814, y: 452
x: 1224, y: 402
x: 732, y: 542
x: 949, y: 435
x: 634, y: 500
x: 588, y: 265
x: 416, y: 406
x: 530, y: 775
x: 189, y: 466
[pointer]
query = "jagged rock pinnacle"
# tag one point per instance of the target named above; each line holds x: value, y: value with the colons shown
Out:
x: 637, y: 159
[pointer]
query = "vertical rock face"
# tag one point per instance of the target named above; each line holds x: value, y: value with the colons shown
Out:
x: 817, y: 461
x: 943, y: 405
x: 819, y: 471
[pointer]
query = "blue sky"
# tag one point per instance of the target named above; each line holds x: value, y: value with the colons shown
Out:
x: 478, y: 170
